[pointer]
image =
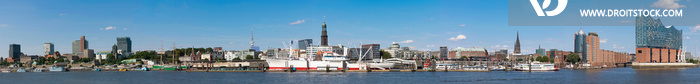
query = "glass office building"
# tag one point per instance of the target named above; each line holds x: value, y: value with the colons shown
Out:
x: 651, y: 33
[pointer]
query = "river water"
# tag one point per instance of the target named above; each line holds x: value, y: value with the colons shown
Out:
x: 564, y: 76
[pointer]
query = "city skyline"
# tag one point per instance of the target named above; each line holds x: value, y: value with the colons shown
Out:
x: 424, y: 25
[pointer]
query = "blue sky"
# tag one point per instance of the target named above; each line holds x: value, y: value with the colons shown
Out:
x: 422, y: 24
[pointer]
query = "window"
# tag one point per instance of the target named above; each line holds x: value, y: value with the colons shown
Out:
x: 639, y: 51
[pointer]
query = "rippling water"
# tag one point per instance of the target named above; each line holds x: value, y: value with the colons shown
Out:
x: 606, y: 76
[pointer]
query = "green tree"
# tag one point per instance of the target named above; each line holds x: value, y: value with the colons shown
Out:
x: 236, y: 58
x: 463, y: 57
x: 249, y: 57
x: 385, y: 54
x: 519, y: 60
x: 505, y: 59
x: 573, y: 58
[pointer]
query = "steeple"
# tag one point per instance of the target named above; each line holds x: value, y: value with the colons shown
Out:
x: 324, y: 35
x: 517, y: 43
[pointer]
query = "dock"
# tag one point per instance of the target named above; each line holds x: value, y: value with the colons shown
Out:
x: 337, y: 71
x: 636, y: 65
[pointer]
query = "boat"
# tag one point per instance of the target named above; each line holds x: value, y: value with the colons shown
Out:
x: 536, y: 67
x: 123, y: 70
x: 21, y: 70
x: 56, y: 69
x: 475, y: 67
x: 446, y: 67
x: 498, y: 68
x: 38, y: 70
x: 97, y: 69
x: 5, y: 71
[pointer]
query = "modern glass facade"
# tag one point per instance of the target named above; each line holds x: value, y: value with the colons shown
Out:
x: 651, y: 33
x: 15, y: 51
x: 305, y: 43
x: 124, y: 44
x: 579, y: 42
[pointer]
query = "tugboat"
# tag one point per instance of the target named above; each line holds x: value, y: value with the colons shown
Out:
x: 536, y: 67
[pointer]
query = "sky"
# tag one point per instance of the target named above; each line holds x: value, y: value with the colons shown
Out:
x: 420, y: 24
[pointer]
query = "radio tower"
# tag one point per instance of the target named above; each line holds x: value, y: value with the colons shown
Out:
x: 251, y: 38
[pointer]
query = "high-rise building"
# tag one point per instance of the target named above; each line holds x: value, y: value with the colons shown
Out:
x: 48, y: 49
x: 579, y: 41
x: 305, y: 43
x: 15, y: 51
x: 656, y: 42
x: 517, y: 44
x: 443, y: 52
x: 80, y: 45
x: 124, y: 45
x: 592, y: 48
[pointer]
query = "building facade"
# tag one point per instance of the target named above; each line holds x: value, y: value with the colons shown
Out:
x: 124, y: 45
x: 374, y: 51
x: 516, y: 49
x: 443, y: 52
x: 80, y: 45
x: 467, y: 52
x: 48, y: 49
x: 656, y: 42
x: 15, y: 51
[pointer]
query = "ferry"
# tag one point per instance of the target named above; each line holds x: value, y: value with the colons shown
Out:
x: 446, y: 66
x: 536, y: 67
x: 56, y: 69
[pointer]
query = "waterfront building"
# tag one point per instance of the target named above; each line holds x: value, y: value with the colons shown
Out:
x: 312, y: 50
x: 499, y: 54
x: 15, y: 51
x: 656, y: 42
x: 324, y: 34
x: 28, y: 59
x: 467, y: 52
x: 80, y: 45
x: 541, y: 51
x: 48, y: 49
x: 516, y: 49
x: 230, y: 55
x: 443, y: 52
x: 558, y: 56
x: 593, y: 56
x: 305, y: 43
x: 206, y: 56
x: 124, y: 45
x: 688, y: 55
x: 396, y: 51
x: 102, y: 55
x: 246, y: 52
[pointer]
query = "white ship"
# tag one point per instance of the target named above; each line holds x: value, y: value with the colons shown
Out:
x: 536, y: 67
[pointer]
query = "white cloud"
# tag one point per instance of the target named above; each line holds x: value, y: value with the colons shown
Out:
x: 62, y: 14
x: 407, y: 41
x: 230, y: 42
x: 615, y: 47
x: 687, y: 37
x: 109, y: 28
x: 668, y: 4
x: 500, y: 46
x: 430, y: 46
x: 458, y: 38
x: 695, y: 29
x: 505, y: 46
x: 297, y: 22
x: 432, y: 18
x: 124, y: 28
x: 462, y: 25
x: 603, y: 40
x: 4, y: 25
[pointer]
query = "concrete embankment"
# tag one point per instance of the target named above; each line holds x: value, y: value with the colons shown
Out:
x: 663, y: 65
